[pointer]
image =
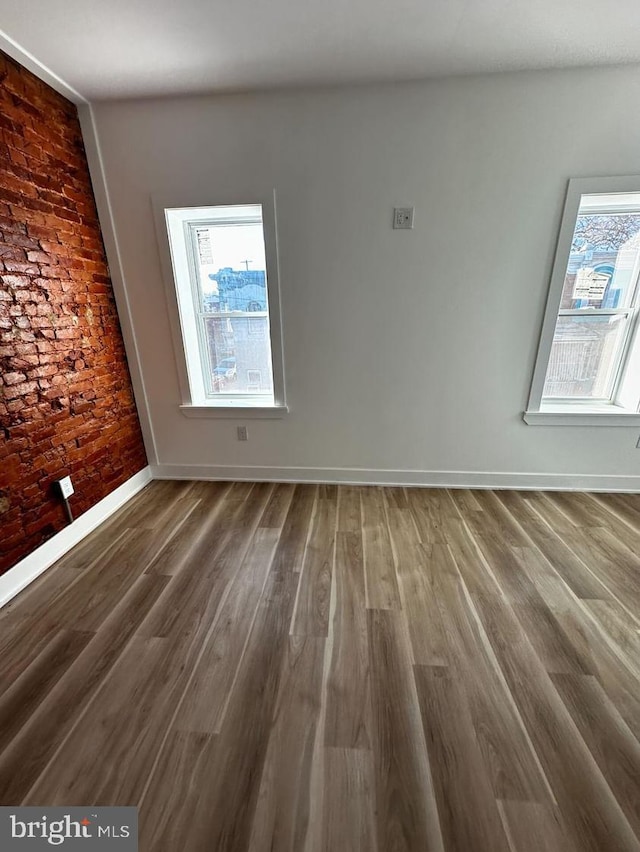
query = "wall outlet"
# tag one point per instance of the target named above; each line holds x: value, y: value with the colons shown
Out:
x: 66, y: 487
x: 403, y: 218
x: 242, y: 433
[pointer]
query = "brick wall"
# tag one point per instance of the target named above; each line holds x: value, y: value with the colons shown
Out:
x: 66, y: 404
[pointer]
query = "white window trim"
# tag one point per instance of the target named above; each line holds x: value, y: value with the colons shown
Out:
x: 576, y: 413
x: 188, y: 377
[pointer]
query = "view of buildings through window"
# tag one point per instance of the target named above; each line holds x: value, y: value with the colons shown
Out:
x: 598, y: 305
x: 232, y: 307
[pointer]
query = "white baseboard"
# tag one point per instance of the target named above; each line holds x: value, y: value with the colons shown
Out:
x: 28, y: 569
x: 425, y: 478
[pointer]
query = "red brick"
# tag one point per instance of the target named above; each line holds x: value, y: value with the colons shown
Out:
x: 12, y: 226
x: 14, y: 378
x: 29, y: 295
x: 40, y: 257
x: 20, y: 266
x: 14, y: 252
x: 17, y: 184
x: 16, y: 281
x: 20, y: 389
x: 19, y: 240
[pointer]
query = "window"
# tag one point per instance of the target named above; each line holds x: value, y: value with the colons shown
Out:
x: 588, y: 367
x: 223, y: 266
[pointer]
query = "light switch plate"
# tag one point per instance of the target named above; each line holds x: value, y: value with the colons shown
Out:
x: 403, y: 218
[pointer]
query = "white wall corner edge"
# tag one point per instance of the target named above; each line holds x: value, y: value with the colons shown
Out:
x: 424, y: 478
x: 17, y: 578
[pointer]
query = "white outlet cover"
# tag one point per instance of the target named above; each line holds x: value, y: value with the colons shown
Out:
x: 66, y: 487
x: 403, y: 218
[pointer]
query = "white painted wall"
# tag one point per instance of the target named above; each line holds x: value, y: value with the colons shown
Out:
x: 404, y: 350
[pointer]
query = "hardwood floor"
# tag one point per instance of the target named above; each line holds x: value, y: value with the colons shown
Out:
x: 331, y: 669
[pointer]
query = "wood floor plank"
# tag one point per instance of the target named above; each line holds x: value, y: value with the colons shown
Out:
x: 348, y: 820
x: 179, y: 549
x: 512, y: 764
x: 311, y: 616
x: 624, y: 530
x: 624, y: 506
x: 162, y: 671
x: 587, y: 803
x: 469, y: 816
x: 466, y: 499
x: 177, y: 795
x: 494, y: 521
x: 347, y: 701
x: 501, y: 559
x: 549, y: 641
x: 29, y: 753
x: 427, y: 634
x: 21, y: 640
x: 545, y: 536
x: 94, y: 596
x: 545, y: 632
x: 380, y: 575
x: 478, y: 575
x: 282, y: 817
x: 191, y: 599
x: 25, y: 694
x: 33, y: 602
x: 557, y: 520
x: 328, y: 491
x: 618, y: 625
x: 175, y: 505
x: 149, y: 510
x: 614, y: 563
x: 396, y: 497
x: 211, y: 492
x: 52, y: 608
x: 231, y: 771
x: 532, y: 827
x: 207, y: 695
x: 91, y: 594
x: 278, y: 507
x: 242, y: 490
x: 406, y: 810
x: 583, y: 512
x: 110, y: 749
x: 295, y: 531
x: 429, y: 510
x: 616, y: 670
x: 613, y: 746
x: 349, y: 509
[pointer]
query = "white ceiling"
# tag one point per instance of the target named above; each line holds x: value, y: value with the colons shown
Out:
x: 129, y: 48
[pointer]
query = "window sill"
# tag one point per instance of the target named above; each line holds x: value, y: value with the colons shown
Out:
x: 569, y: 416
x: 236, y: 411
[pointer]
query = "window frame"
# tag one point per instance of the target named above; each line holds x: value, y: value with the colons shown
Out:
x: 191, y: 228
x: 572, y: 411
x: 177, y: 272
